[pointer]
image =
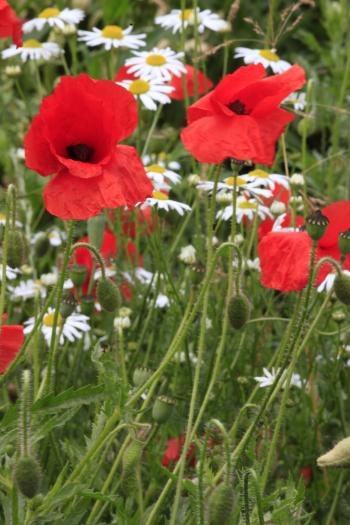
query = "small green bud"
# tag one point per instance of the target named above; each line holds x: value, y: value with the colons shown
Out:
x: 42, y: 244
x: 221, y: 503
x: 36, y: 501
x: 162, y: 409
x: 338, y: 316
x: 87, y: 304
x: 78, y: 273
x: 107, y: 294
x: 238, y: 310
x: 27, y: 476
x: 341, y: 288
x: 316, y: 225
x: 131, y: 456
x: 141, y: 374
x: 15, y: 252
x: 344, y: 242
x: 197, y: 272
x: 95, y: 228
x: 68, y: 305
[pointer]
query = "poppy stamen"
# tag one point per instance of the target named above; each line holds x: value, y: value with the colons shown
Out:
x: 237, y: 107
x: 80, y: 152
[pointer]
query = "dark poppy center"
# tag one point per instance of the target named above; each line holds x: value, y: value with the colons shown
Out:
x: 237, y: 107
x: 80, y: 152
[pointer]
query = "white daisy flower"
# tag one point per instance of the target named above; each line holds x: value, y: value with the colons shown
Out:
x: 244, y: 208
x: 148, y: 91
x: 120, y: 323
x: 241, y: 184
x: 112, y: 37
x: 269, y: 377
x: 56, y: 237
x: 177, y: 19
x: 11, y: 273
x: 27, y: 290
x: 160, y: 175
x: 268, y: 180
x: 33, y: 50
x: 161, y: 201
x: 54, y: 18
x: 266, y: 57
x: 109, y: 273
x: 157, y: 64
x: 298, y: 100
x: 74, y: 326
x: 3, y: 221
x: 162, y: 301
x: 253, y: 264
x: 188, y: 254
x: 51, y: 278
x: 328, y: 281
x: 161, y: 160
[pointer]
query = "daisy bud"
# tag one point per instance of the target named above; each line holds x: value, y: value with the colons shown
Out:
x: 344, y: 242
x: 95, y: 228
x: 68, y: 305
x: 41, y: 245
x: 188, y: 254
x: 107, y: 294
x: 162, y: 409
x: 78, y: 274
x: 238, y: 310
x: 15, y: 253
x: 69, y: 29
x: 27, y: 476
x: 12, y: 71
x: 197, y: 273
x: 221, y: 504
x: 316, y: 225
x: 338, y: 456
x: 297, y: 180
x: 239, y: 239
x: 277, y: 208
x: 193, y: 179
x: 338, y: 316
x: 341, y: 288
x: 141, y: 374
x: 87, y: 304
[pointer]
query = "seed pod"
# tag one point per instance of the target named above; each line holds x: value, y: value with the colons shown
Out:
x: 68, y: 305
x: 95, y: 228
x: 107, y: 294
x: 344, y: 242
x: 338, y: 456
x: 27, y: 476
x: 162, y: 409
x: 87, y: 304
x: 15, y: 252
x: 141, y: 374
x: 341, y: 288
x: 78, y: 273
x: 221, y: 504
x: 238, y: 310
x: 316, y: 225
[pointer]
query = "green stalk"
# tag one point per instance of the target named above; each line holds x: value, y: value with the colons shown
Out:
x: 151, y: 129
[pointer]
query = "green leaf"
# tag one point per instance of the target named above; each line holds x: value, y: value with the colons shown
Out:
x: 67, y: 399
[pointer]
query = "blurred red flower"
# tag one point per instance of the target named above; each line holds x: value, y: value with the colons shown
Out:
x: 10, y: 24
x: 173, y: 452
x: 74, y: 137
x: 11, y: 340
x: 307, y: 474
x: 204, y: 84
x: 240, y: 118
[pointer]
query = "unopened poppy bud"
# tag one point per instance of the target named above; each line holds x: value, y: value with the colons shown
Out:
x: 27, y: 476
x: 68, y: 305
x: 131, y: 456
x: 141, y: 374
x: 15, y: 249
x: 162, y: 409
x: 344, y: 242
x: 338, y: 456
x: 221, y: 504
x: 78, y: 273
x: 41, y: 245
x: 12, y: 392
x: 87, y: 304
x: 36, y: 501
x: 316, y: 225
x: 95, y: 228
x: 238, y: 310
x: 107, y: 294
x: 341, y: 288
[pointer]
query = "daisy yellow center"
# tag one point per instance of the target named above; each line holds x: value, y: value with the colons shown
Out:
x: 155, y: 168
x: 187, y: 14
x: 259, y: 174
x: 156, y: 60
x: 49, y: 12
x: 269, y: 55
x: 48, y: 319
x: 32, y: 43
x: 139, y: 86
x: 247, y: 205
x: 230, y: 181
x: 115, y: 32
x: 160, y: 196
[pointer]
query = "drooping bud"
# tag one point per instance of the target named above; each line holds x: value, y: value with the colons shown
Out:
x: 107, y: 294
x: 95, y: 228
x: 221, y: 504
x: 162, y: 409
x: 344, y: 242
x: 140, y: 375
x: 316, y: 225
x: 78, y: 273
x: 15, y: 249
x: 27, y: 476
x: 238, y: 310
x: 341, y: 288
x: 68, y: 305
x: 338, y: 456
x: 87, y: 304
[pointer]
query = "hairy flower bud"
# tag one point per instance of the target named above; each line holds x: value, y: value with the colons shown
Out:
x: 87, y: 304
x: 78, y: 273
x: 238, y: 310
x: 341, y: 288
x: 27, y: 476
x: 15, y: 250
x: 140, y: 375
x: 344, y: 242
x: 338, y: 456
x: 107, y: 294
x: 221, y: 504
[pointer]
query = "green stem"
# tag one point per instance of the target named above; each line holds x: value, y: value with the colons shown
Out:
x: 151, y: 129
x: 336, y: 498
x: 94, y: 251
x: 5, y: 250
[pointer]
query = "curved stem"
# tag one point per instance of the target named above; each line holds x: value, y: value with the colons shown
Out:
x: 94, y: 251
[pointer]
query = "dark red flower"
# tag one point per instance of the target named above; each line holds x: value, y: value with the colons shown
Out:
x: 11, y: 340
x: 173, y: 452
x: 241, y: 117
x: 10, y: 24
x: 75, y: 136
x: 307, y: 474
x: 203, y: 84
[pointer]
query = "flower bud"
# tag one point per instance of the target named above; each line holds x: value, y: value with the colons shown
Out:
x: 107, y: 294
x: 78, y: 274
x: 338, y: 456
x: 130, y: 459
x: 95, y: 228
x: 297, y: 180
x: 341, y: 288
x: 140, y: 375
x: 277, y: 208
x: 162, y: 409
x: 188, y: 254
x: 27, y: 476
x: 221, y: 504
x: 12, y: 71
x: 15, y: 249
x: 344, y: 242
x: 238, y: 310
x: 68, y: 305
x: 87, y: 304
x: 193, y: 179
x: 338, y: 316
x: 316, y: 225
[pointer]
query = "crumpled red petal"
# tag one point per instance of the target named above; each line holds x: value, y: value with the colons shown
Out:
x: 11, y: 340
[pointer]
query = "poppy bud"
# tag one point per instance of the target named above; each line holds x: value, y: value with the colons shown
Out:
x: 95, y: 228
x: 87, y: 304
x: 316, y: 225
x: 42, y: 244
x: 36, y: 501
x: 344, y: 242
x: 15, y: 249
x: 68, y: 305
x: 107, y: 294
x: 221, y: 504
x: 162, y: 409
x: 341, y: 288
x: 140, y: 375
x: 238, y: 310
x: 27, y: 476
x: 78, y: 273
x: 338, y: 456
x: 131, y: 457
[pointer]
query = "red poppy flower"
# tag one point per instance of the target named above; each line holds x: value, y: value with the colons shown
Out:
x: 74, y: 137
x: 240, y: 118
x: 122, y: 74
x: 10, y: 24
x: 142, y: 220
x: 307, y: 474
x: 11, y: 340
x: 204, y: 84
x: 173, y: 452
